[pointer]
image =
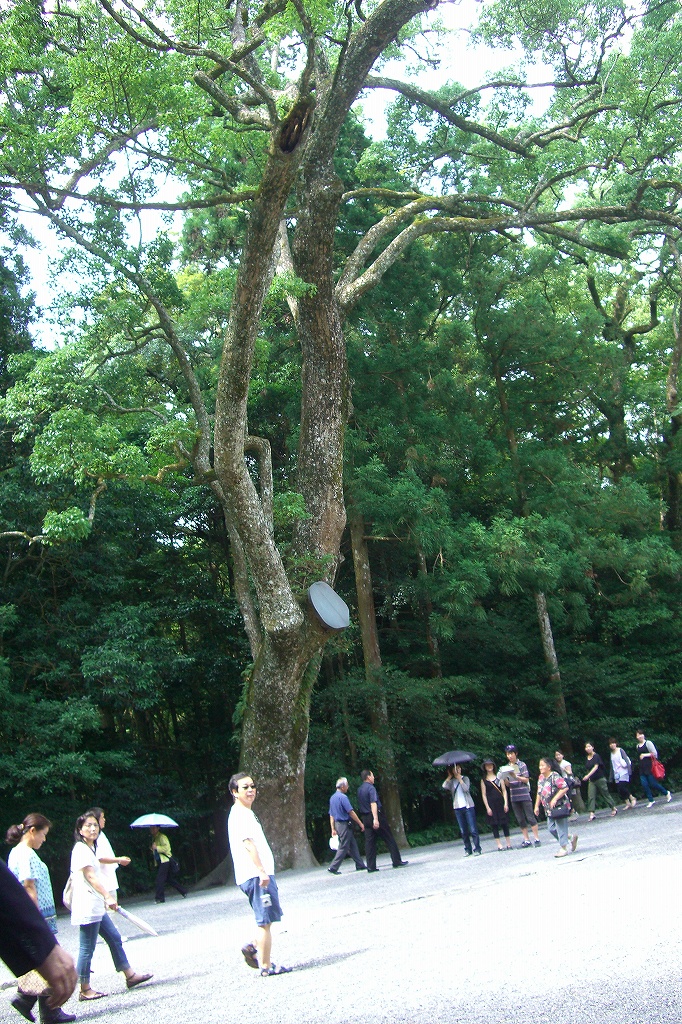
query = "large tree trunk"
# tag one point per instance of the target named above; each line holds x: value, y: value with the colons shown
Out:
x: 673, y: 516
x: 553, y: 673
x: 275, y: 740
x: 378, y: 710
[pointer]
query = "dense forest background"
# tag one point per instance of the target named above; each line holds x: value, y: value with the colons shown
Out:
x: 512, y: 478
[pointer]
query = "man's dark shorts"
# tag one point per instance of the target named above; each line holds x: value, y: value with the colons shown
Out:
x: 264, y: 915
x: 523, y: 812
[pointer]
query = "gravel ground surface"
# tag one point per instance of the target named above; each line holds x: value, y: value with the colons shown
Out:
x: 509, y: 937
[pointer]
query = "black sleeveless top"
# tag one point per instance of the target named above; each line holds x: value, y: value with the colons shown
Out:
x: 494, y: 796
x: 645, y: 763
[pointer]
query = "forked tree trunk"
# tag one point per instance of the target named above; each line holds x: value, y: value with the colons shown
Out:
x: 378, y: 710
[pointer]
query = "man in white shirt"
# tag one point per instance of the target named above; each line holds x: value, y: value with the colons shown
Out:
x: 254, y: 872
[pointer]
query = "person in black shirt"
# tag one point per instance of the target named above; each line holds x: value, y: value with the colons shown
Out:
x: 595, y: 777
x: 376, y: 823
x: 26, y: 942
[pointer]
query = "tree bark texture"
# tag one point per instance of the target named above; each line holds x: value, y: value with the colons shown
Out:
x: 378, y: 711
x: 553, y: 673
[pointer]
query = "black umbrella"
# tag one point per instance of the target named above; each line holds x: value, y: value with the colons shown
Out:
x: 454, y: 757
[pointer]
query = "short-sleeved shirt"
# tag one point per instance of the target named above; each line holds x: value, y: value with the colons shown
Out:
x: 367, y: 795
x: 589, y: 765
x: 547, y: 787
x: 518, y: 791
x: 340, y: 806
x: 243, y: 824
x: 87, y: 906
x: 163, y: 851
x: 108, y: 871
x: 25, y: 865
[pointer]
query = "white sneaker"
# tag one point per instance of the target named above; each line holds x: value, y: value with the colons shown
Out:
x: 561, y: 853
x: 651, y: 803
x: 669, y: 797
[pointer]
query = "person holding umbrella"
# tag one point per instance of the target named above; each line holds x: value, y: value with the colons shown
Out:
x: 458, y: 786
x: 89, y: 910
x: 109, y: 862
x: 163, y: 857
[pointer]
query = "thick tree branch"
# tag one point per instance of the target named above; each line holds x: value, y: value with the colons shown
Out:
x: 445, y: 110
x: 350, y: 291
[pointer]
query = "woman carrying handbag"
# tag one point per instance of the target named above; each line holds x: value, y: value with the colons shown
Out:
x: 553, y: 793
x: 646, y: 752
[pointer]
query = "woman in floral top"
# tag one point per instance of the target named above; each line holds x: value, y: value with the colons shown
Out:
x: 553, y: 793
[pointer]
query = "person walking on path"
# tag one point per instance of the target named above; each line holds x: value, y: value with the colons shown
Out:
x: 459, y: 786
x: 254, y: 872
x: 376, y: 823
x: 89, y: 910
x: 28, y: 944
x: 621, y: 773
x: 27, y: 867
x: 554, y: 793
x: 518, y: 782
x: 595, y: 777
x: 340, y: 815
x: 573, y: 780
x: 496, y: 803
x: 645, y: 751
x: 163, y: 857
x: 109, y: 862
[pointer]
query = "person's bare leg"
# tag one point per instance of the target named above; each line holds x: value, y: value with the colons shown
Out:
x: 535, y: 832
x: 524, y: 833
x: 264, y: 945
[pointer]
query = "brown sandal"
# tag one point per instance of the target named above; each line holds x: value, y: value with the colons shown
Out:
x: 137, y: 979
x: 84, y: 997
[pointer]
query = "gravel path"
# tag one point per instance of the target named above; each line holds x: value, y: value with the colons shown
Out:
x: 507, y: 937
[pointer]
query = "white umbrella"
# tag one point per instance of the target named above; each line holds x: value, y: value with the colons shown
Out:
x: 137, y: 921
x: 154, y: 819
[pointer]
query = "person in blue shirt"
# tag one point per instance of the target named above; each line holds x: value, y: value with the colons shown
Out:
x: 376, y: 823
x: 340, y: 815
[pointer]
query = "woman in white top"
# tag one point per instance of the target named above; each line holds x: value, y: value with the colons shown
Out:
x: 109, y: 862
x: 91, y: 900
x: 458, y: 786
x: 25, y: 864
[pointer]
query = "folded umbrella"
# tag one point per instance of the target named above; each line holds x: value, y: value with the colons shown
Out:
x: 137, y: 921
x: 453, y: 757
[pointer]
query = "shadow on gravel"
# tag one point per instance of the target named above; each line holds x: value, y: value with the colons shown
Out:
x: 325, y: 961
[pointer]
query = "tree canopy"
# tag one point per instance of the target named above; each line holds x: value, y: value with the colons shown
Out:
x: 458, y: 331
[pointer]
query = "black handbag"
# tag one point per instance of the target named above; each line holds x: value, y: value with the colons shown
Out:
x: 563, y: 809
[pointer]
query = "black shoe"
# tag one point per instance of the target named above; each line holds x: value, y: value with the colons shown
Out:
x: 401, y: 864
x: 23, y: 1004
x: 250, y: 954
x: 50, y: 1016
x: 468, y: 853
x: 360, y: 867
x: 371, y: 871
x: 160, y: 901
x: 333, y: 871
x: 478, y: 852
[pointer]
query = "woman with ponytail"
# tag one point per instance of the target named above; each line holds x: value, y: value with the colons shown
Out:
x: 25, y: 864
